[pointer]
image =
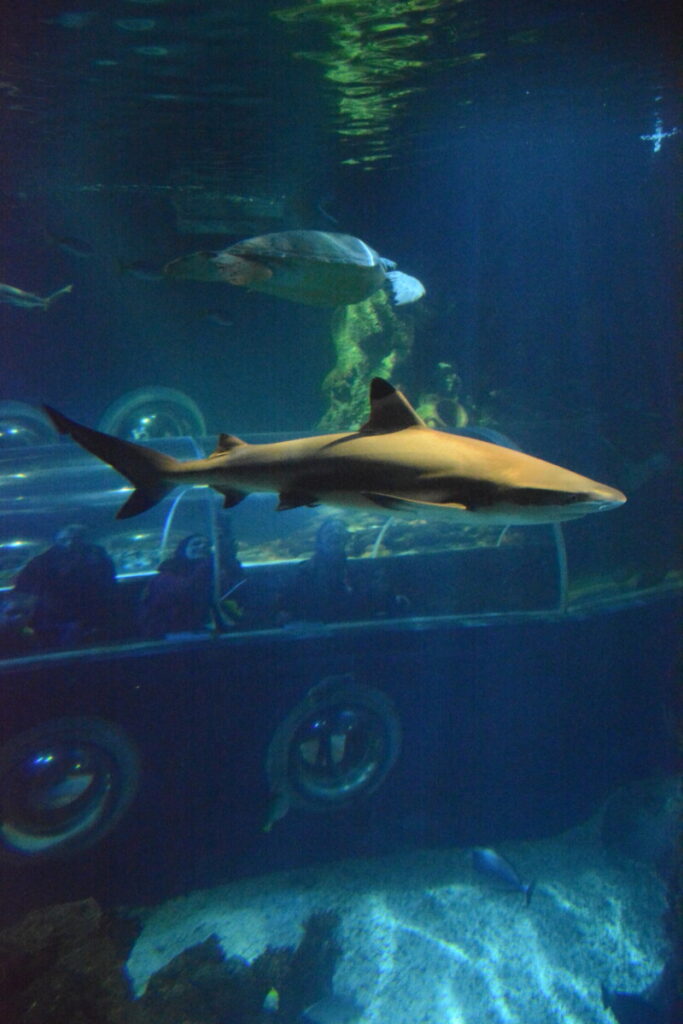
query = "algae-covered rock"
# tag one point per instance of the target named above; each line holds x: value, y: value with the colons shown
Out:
x: 371, y: 339
x: 202, y: 986
x: 199, y: 985
x: 64, y: 965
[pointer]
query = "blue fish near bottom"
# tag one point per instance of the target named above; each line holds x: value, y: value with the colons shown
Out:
x: 488, y: 862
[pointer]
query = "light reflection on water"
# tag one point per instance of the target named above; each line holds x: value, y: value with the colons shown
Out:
x: 249, y: 95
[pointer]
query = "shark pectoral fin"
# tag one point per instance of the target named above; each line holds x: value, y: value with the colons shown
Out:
x: 295, y: 499
x: 395, y: 504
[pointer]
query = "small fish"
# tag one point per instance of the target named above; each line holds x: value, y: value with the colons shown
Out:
x: 271, y: 1004
x: 333, y: 1010
x: 72, y: 246
x: 218, y: 317
x: 141, y: 269
x: 72, y: 19
x: 135, y: 24
x: 27, y: 300
x: 488, y: 862
x: 152, y: 51
x: 278, y: 806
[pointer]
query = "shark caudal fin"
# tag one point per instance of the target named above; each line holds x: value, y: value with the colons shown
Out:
x: 147, y: 469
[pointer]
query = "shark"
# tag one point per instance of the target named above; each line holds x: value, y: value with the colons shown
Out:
x: 27, y: 300
x: 394, y: 462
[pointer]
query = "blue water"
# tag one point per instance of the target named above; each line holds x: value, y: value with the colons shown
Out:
x: 523, y: 161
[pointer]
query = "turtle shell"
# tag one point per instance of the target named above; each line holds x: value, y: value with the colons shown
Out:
x: 318, y: 268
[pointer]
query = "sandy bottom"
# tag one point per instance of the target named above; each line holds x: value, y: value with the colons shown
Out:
x: 426, y: 940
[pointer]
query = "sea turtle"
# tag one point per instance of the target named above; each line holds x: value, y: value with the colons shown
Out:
x: 318, y: 268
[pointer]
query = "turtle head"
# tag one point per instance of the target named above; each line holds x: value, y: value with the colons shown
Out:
x: 198, y: 266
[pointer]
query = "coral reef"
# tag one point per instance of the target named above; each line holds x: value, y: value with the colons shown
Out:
x: 201, y: 986
x: 65, y: 965
x: 371, y: 339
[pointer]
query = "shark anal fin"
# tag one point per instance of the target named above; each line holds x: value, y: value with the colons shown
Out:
x: 395, y: 504
x: 296, y: 499
x: 389, y: 410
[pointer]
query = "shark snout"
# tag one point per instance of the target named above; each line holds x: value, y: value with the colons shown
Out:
x: 602, y: 498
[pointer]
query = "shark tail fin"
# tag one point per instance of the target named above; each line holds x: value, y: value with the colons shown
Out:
x: 49, y: 299
x: 147, y: 469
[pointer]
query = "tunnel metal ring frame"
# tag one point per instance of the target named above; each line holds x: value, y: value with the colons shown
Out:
x: 179, y: 411
x: 341, y: 693
x: 93, y: 807
x: 23, y: 425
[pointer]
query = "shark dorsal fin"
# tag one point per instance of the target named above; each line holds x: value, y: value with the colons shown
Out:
x: 389, y: 410
x: 226, y: 443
